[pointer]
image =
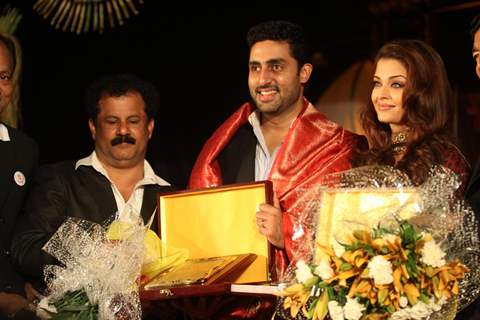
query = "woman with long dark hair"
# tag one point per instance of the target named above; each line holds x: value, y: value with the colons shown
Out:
x: 407, y: 120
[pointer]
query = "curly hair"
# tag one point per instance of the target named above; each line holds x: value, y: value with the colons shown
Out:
x: 119, y: 85
x: 278, y: 30
x: 427, y: 100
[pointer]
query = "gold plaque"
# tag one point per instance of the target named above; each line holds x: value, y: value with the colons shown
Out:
x: 200, y: 271
x: 217, y: 222
x: 344, y: 210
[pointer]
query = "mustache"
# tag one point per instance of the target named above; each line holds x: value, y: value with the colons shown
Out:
x: 122, y: 139
x: 268, y: 86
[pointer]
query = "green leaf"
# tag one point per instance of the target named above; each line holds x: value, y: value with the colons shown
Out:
x: 390, y: 308
x: 345, y: 266
x: 424, y: 298
x: 381, y: 231
x: 330, y: 293
x: 75, y: 306
x: 369, y: 249
x: 408, y: 234
x: 352, y: 247
x: 311, y: 282
x: 411, y: 265
x: 311, y: 309
x: 342, y: 296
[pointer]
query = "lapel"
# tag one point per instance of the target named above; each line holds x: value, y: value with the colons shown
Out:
x: 11, y: 161
x: 149, y: 202
x: 6, y: 171
x: 237, y: 160
x: 246, y: 167
x: 102, y: 194
x: 99, y: 188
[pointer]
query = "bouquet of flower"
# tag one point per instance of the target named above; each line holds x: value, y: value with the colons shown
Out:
x: 102, y: 269
x: 400, y: 274
x: 420, y: 263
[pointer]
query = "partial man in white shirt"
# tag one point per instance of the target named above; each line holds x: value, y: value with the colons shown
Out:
x: 113, y: 182
x: 18, y: 160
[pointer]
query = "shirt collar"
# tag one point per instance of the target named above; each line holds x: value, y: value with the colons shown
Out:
x: 4, y: 136
x: 254, y: 119
x: 149, y: 176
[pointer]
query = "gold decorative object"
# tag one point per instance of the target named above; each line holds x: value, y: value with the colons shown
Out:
x: 399, y: 137
x: 399, y: 141
x: 86, y: 15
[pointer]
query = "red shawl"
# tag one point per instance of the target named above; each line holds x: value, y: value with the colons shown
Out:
x: 313, y: 147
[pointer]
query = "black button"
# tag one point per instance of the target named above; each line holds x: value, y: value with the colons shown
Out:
x: 7, y: 253
x: 8, y: 287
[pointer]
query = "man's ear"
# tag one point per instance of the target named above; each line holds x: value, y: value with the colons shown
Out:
x: 150, y: 126
x: 305, y: 73
x: 93, y: 130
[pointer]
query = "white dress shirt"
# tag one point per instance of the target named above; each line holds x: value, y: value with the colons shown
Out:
x: 4, y: 136
x: 263, y: 158
x: 127, y: 210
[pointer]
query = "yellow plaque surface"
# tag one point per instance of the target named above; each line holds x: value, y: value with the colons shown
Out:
x: 217, y: 222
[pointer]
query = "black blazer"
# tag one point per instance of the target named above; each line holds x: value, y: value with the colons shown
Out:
x: 59, y: 192
x: 18, y: 158
x: 237, y: 160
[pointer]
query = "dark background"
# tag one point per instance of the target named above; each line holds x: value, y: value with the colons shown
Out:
x: 197, y: 58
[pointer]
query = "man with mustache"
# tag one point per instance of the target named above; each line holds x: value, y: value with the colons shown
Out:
x: 114, y: 181
x: 278, y: 136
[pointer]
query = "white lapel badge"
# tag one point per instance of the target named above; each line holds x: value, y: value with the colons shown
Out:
x: 19, y: 178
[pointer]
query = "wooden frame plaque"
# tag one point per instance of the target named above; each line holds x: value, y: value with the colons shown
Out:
x: 217, y: 222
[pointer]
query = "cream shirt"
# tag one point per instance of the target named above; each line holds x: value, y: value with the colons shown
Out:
x: 4, y: 136
x: 129, y: 210
x: 263, y: 159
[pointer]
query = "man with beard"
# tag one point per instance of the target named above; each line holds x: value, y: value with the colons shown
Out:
x: 278, y: 136
x: 115, y: 180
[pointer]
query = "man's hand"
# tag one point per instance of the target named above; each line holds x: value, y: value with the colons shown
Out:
x: 32, y: 295
x: 270, y: 222
x: 12, y: 303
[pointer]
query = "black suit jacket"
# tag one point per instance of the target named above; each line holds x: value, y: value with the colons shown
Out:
x: 237, y: 160
x: 20, y: 154
x: 59, y: 192
x: 472, y: 194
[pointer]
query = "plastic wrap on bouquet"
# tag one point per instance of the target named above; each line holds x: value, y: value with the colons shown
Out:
x: 105, y: 271
x: 383, y: 249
